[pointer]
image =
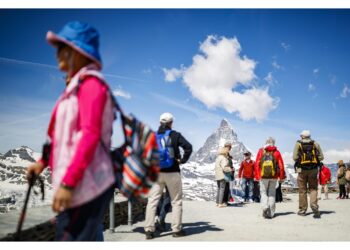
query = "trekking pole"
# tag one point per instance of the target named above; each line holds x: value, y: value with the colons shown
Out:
x: 111, y: 215
x: 33, y: 178
x: 129, y: 213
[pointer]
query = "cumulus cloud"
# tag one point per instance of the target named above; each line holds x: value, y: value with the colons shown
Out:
x: 171, y: 75
x: 345, y: 92
x: 217, y: 71
x: 270, y: 79
x: 121, y: 93
x: 330, y: 156
x: 311, y: 87
x: 286, y: 46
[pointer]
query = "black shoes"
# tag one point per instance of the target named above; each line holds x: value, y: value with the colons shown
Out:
x: 317, y: 214
x: 161, y: 226
x: 178, y: 234
x: 302, y: 213
x: 149, y: 235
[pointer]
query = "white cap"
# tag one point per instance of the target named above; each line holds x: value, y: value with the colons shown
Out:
x: 166, y: 118
x: 305, y: 133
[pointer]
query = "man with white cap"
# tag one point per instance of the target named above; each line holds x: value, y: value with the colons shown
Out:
x: 307, y: 155
x: 169, y: 142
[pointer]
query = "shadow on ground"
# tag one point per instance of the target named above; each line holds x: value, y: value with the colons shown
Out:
x: 283, y: 214
x: 321, y: 212
x: 189, y: 228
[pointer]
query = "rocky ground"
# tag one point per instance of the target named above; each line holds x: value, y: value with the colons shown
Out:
x: 203, y: 221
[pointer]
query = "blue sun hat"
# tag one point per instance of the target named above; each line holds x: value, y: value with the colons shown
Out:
x: 82, y: 37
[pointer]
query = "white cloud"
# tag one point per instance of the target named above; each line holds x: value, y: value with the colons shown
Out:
x: 330, y: 156
x: 316, y: 71
x: 270, y: 79
x: 311, y: 87
x: 121, y: 93
x: 275, y: 65
x: 286, y: 46
x: 345, y: 92
x: 171, y: 75
x: 217, y: 71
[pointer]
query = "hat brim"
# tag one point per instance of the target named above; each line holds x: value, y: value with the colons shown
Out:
x: 53, y: 39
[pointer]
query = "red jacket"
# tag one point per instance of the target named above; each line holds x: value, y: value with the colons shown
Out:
x: 325, y: 175
x: 278, y: 157
x: 247, y: 168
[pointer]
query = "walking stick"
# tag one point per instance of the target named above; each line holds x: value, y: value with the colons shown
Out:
x: 33, y: 178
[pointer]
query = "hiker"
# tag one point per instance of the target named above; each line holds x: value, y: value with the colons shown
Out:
x: 229, y: 177
x: 246, y: 176
x: 347, y: 177
x: 223, y: 170
x: 81, y: 121
x: 341, y: 181
x: 169, y: 142
x: 164, y: 207
x: 307, y: 155
x: 269, y: 168
x: 256, y: 192
x: 324, y: 181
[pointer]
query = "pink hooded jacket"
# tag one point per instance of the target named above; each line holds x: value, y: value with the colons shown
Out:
x: 80, y: 122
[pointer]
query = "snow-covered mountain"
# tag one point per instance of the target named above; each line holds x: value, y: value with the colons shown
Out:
x: 13, y: 183
x: 198, y: 173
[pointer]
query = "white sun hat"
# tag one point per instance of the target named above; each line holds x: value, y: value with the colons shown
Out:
x: 166, y: 118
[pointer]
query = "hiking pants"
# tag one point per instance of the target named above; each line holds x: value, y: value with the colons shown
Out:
x: 220, y: 194
x: 174, y: 184
x: 307, y: 179
x: 268, y: 195
x: 342, y: 192
x: 247, y: 187
x: 164, y: 206
x: 325, y: 190
x: 83, y: 223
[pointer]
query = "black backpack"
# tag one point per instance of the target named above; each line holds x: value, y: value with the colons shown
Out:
x: 308, y: 154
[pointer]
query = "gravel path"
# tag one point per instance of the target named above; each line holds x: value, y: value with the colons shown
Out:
x: 203, y: 221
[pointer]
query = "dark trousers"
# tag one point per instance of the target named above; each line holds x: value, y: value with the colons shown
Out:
x: 342, y: 191
x: 279, y: 195
x: 222, y: 191
x: 83, y: 223
x: 164, y: 205
x: 226, y: 192
x: 256, y: 192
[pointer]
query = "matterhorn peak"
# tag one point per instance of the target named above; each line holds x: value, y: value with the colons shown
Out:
x: 225, y: 123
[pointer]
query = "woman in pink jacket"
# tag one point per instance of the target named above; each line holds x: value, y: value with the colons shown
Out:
x: 80, y: 130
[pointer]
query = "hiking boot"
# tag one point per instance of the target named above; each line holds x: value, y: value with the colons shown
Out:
x: 161, y: 226
x: 301, y: 213
x: 265, y: 213
x: 178, y: 234
x: 317, y: 214
x: 149, y: 235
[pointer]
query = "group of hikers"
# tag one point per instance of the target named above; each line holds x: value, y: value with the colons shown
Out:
x: 83, y: 176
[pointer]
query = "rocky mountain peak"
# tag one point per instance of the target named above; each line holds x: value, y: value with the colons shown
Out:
x: 225, y: 133
x: 23, y: 153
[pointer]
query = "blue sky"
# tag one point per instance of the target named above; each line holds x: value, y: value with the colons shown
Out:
x: 299, y: 60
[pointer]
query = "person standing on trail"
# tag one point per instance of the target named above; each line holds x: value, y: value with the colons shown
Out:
x: 223, y: 171
x: 347, y: 177
x: 307, y: 155
x: 324, y: 180
x: 82, y: 173
x: 169, y: 142
x: 246, y: 176
x: 341, y: 181
x: 269, y: 168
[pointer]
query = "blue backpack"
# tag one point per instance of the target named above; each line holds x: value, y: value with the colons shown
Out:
x: 166, y: 150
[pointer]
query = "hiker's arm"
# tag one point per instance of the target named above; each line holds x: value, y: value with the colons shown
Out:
x: 257, y: 165
x: 92, y: 97
x: 296, y: 152
x: 320, y: 153
x: 280, y: 164
x: 187, y: 147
